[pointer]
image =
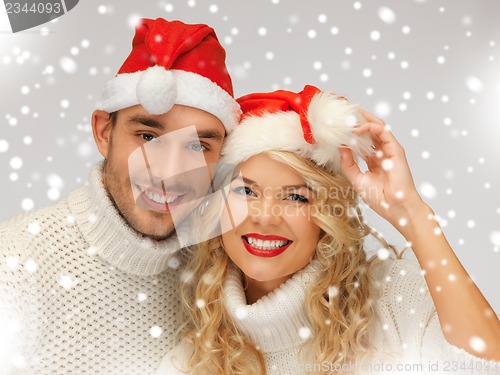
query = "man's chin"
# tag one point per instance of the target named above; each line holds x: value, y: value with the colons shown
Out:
x: 157, y: 235
x: 156, y: 226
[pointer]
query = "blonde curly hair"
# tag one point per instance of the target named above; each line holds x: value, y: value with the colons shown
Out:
x: 339, y: 325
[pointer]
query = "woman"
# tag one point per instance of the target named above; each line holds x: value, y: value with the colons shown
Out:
x: 288, y: 289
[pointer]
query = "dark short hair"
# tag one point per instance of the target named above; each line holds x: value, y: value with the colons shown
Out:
x: 113, y: 116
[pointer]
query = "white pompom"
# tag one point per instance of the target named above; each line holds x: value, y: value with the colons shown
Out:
x: 157, y: 90
x: 332, y: 119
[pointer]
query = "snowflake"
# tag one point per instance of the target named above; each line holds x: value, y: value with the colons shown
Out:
x: 241, y: 312
x: 12, y: 262
x: 428, y: 190
x: 333, y: 291
x: 34, y: 228
x: 477, y: 344
x: 387, y: 164
x: 174, y: 262
x: 67, y: 282
x: 387, y: 15
x: 30, y: 266
x: 155, y: 331
x: 375, y: 35
x: 383, y: 253
x: 305, y: 333
x: 68, y: 65
x: 27, y: 204
x: 16, y: 162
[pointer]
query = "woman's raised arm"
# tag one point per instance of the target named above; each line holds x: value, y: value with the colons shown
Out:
x: 466, y: 318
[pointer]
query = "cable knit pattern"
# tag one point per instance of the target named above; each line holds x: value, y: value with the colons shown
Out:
x: 405, y: 324
x: 274, y: 321
x: 82, y: 293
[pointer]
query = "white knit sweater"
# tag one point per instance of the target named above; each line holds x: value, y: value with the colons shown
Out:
x: 83, y: 293
x: 406, y: 323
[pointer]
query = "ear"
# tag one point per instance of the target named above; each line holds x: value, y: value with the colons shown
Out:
x: 101, y: 128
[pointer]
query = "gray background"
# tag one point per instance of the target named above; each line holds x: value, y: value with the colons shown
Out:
x: 433, y: 74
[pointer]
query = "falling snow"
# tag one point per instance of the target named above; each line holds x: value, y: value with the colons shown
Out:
x: 387, y: 15
x: 333, y: 291
x: 387, y: 164
x: 68, y: 65
x: 382, y: 109
x: 156, y: 331
x: 383, y: 253
x: 174, y: 262
x: 474, y: 84
x: 431, y: 119
x: 67, y: 282
x: 477, y: 344
x: 34, y: 228
x: 428, y: 190
x: 375, y: 35
x: 241, y: 313
x: 4, y: 145
x: 305, y: 333
x: 27, y: 204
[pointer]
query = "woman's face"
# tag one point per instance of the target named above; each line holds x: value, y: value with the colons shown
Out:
x: 278, y: 237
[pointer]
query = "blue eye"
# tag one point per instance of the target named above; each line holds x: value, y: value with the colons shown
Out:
x: 298, y: 198
x: 196, y: 146
x: 243, y: 190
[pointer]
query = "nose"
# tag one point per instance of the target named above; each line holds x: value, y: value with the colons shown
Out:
x: 168, y: 158
x: 265, y: 212
x: 163, y: 160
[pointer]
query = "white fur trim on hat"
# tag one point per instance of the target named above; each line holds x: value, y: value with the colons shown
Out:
x: 158, y: 89
x: 331, y: 119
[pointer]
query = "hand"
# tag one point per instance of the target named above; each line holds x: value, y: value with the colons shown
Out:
x: 387, y: 186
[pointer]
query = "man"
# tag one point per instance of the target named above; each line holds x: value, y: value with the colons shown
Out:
x: 88, y: 285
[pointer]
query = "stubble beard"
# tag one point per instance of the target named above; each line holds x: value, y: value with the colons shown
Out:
x: 120, y: 194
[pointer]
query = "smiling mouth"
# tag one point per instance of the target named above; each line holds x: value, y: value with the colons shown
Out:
x: 162, y: 199
x: 157, y: 200
x: 265, y: 246
x: 260, y: 244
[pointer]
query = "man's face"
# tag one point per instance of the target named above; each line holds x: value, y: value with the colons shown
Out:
x: 154, y: 163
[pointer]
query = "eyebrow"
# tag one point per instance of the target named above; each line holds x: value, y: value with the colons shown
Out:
x: 202, y: 134
x: 205, y: 134
x: 147, y: 122
x: 251, y: 182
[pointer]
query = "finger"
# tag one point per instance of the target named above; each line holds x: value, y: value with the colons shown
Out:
x: 379, y: 130
x: 349, y: 166
x: 376, y: 142
x: 371, y: 117
x: 374, y: 163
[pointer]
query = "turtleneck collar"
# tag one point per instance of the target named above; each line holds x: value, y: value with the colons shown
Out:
x: 278, y: 320
x: 110, y: 236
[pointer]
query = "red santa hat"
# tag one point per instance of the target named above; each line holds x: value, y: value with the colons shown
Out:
x: 311, y: 123
x: 174, y: 63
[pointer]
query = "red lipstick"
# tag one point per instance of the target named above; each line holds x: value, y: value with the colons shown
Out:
x: 265, y: 237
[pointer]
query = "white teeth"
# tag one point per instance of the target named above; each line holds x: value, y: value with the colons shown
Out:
x: 266, y: 245
x: 160, y: 198
x: 171, y: 199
